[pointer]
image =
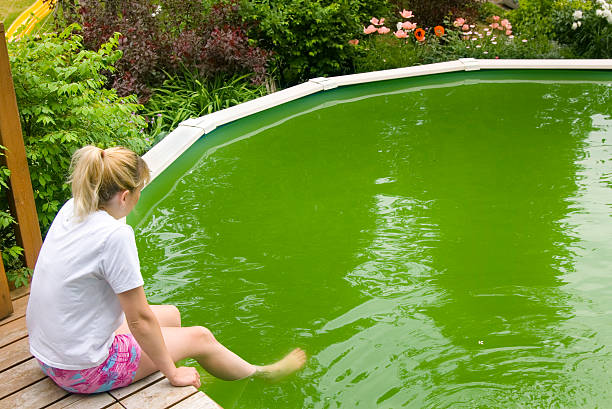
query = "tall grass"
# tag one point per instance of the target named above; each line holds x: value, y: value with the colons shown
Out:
x: 185, y: 95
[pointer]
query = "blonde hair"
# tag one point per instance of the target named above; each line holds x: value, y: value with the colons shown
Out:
x: 98, y: 174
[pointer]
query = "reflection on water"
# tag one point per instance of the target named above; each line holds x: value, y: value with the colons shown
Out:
x: 446, y: 249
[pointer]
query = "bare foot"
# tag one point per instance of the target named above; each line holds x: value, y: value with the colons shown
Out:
x: 293, y: 361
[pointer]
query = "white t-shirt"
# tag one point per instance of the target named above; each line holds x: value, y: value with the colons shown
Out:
x: 73, y: 309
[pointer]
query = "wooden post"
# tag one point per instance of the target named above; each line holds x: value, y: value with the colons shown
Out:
x: 21, y: 196
x: 6, y: 306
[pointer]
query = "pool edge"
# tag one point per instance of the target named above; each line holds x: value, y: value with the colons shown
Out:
x: 189, y: 131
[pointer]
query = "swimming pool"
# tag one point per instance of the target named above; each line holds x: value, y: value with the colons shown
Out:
x: 435, y: 241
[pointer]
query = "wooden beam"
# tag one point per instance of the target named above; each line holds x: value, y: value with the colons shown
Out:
x: 21, y: 196
x: 6, y: 305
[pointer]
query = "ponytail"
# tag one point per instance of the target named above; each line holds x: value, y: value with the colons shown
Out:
x: 98, y: 174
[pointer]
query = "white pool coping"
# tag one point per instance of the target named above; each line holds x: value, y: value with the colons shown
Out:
x: 189, y: 131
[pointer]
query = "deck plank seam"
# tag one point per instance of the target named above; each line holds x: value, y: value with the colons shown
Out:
x: 20, y: 296
x: 16, y: 296
x: 23, y: 387
x: 148, y: 385
x: 13, y: 341
x: 55, y: 401
x: 11, y: 318
x: 185, y: 398
x: 15, y: 364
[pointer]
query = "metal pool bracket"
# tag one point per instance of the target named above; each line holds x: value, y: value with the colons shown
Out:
x: 470, y: 64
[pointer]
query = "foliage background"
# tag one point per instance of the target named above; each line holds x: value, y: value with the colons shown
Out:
x: 63, y: 106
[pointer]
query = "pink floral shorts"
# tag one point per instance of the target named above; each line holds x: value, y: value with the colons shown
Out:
x: 117, y: 371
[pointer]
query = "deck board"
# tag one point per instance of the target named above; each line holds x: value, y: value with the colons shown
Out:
x: 158, y: 396
x: 13, y: 331
x: 24, y: 385
x: 19, y: 292
x: 14, y: 353
x: 136, y: 386
x: 39, y: 395
x: 19, y: 310
x: 98, y: 401
x: 20, y: 376
x: 197, y: 401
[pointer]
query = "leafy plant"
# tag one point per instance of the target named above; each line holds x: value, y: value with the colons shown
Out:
x: 309, y: 38
x: 586, y: 27
x: 11, y: 253
x: 5, y: 217
x: 187, y: 95
x: 167, y: 35
x: 433, y: 12
x: 534, y: 18
x: 63, y: 106
x: 386, y: 52
x: 487, y: 9
x: 20, y: 277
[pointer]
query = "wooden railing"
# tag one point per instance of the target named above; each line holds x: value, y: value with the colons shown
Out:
x: 20, y: 194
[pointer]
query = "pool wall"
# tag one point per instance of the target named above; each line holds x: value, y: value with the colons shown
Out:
x: 189, y: 131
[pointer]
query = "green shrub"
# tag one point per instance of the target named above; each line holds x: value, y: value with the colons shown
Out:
x: 5, y: 217
x: 533, y: 18
x: 310, y: 37
x: 586, y: 27
x: 383, y: 52
x: 63, y: 106
x: 457, y: 46
x: 11, y: 253
x: 187, y: 96
x: 9, y: 250
x: 487, y: 9
x: 430, y: 13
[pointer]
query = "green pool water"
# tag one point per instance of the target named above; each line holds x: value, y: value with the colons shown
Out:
x: 442, y: 241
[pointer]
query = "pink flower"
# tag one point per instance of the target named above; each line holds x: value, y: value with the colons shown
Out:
x: 354, y: 41
x: 382, y: 21
x: 524, y: 40
x: 505, y: 22
x: 408, y: 25
x: 508, y: 32
x: 500, y: 28
x: 495, y: 18
x: 375, y: 21
x: 494, y: 25
x: 465, y: 27
x: 383, y: 30
x: 406, y: 13
x: 369, y: 30
x: 459, y: 22
x: 400, y: 34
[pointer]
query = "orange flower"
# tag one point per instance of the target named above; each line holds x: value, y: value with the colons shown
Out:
x: 439, y: 30
x: 419, y: 34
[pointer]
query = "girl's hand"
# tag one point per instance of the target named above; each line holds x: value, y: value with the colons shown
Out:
x: 185, y: 376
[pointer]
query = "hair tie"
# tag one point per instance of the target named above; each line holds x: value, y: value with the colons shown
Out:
x: 102, y: 153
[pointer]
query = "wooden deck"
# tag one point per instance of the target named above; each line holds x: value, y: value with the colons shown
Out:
x: 24, y: 385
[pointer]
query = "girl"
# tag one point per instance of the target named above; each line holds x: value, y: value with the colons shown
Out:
x: 90, y: 325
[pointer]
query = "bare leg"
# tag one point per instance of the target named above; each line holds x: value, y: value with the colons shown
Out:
x: 200, y: 344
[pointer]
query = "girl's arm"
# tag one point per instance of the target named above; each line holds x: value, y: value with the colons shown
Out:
x: 144, y: 326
